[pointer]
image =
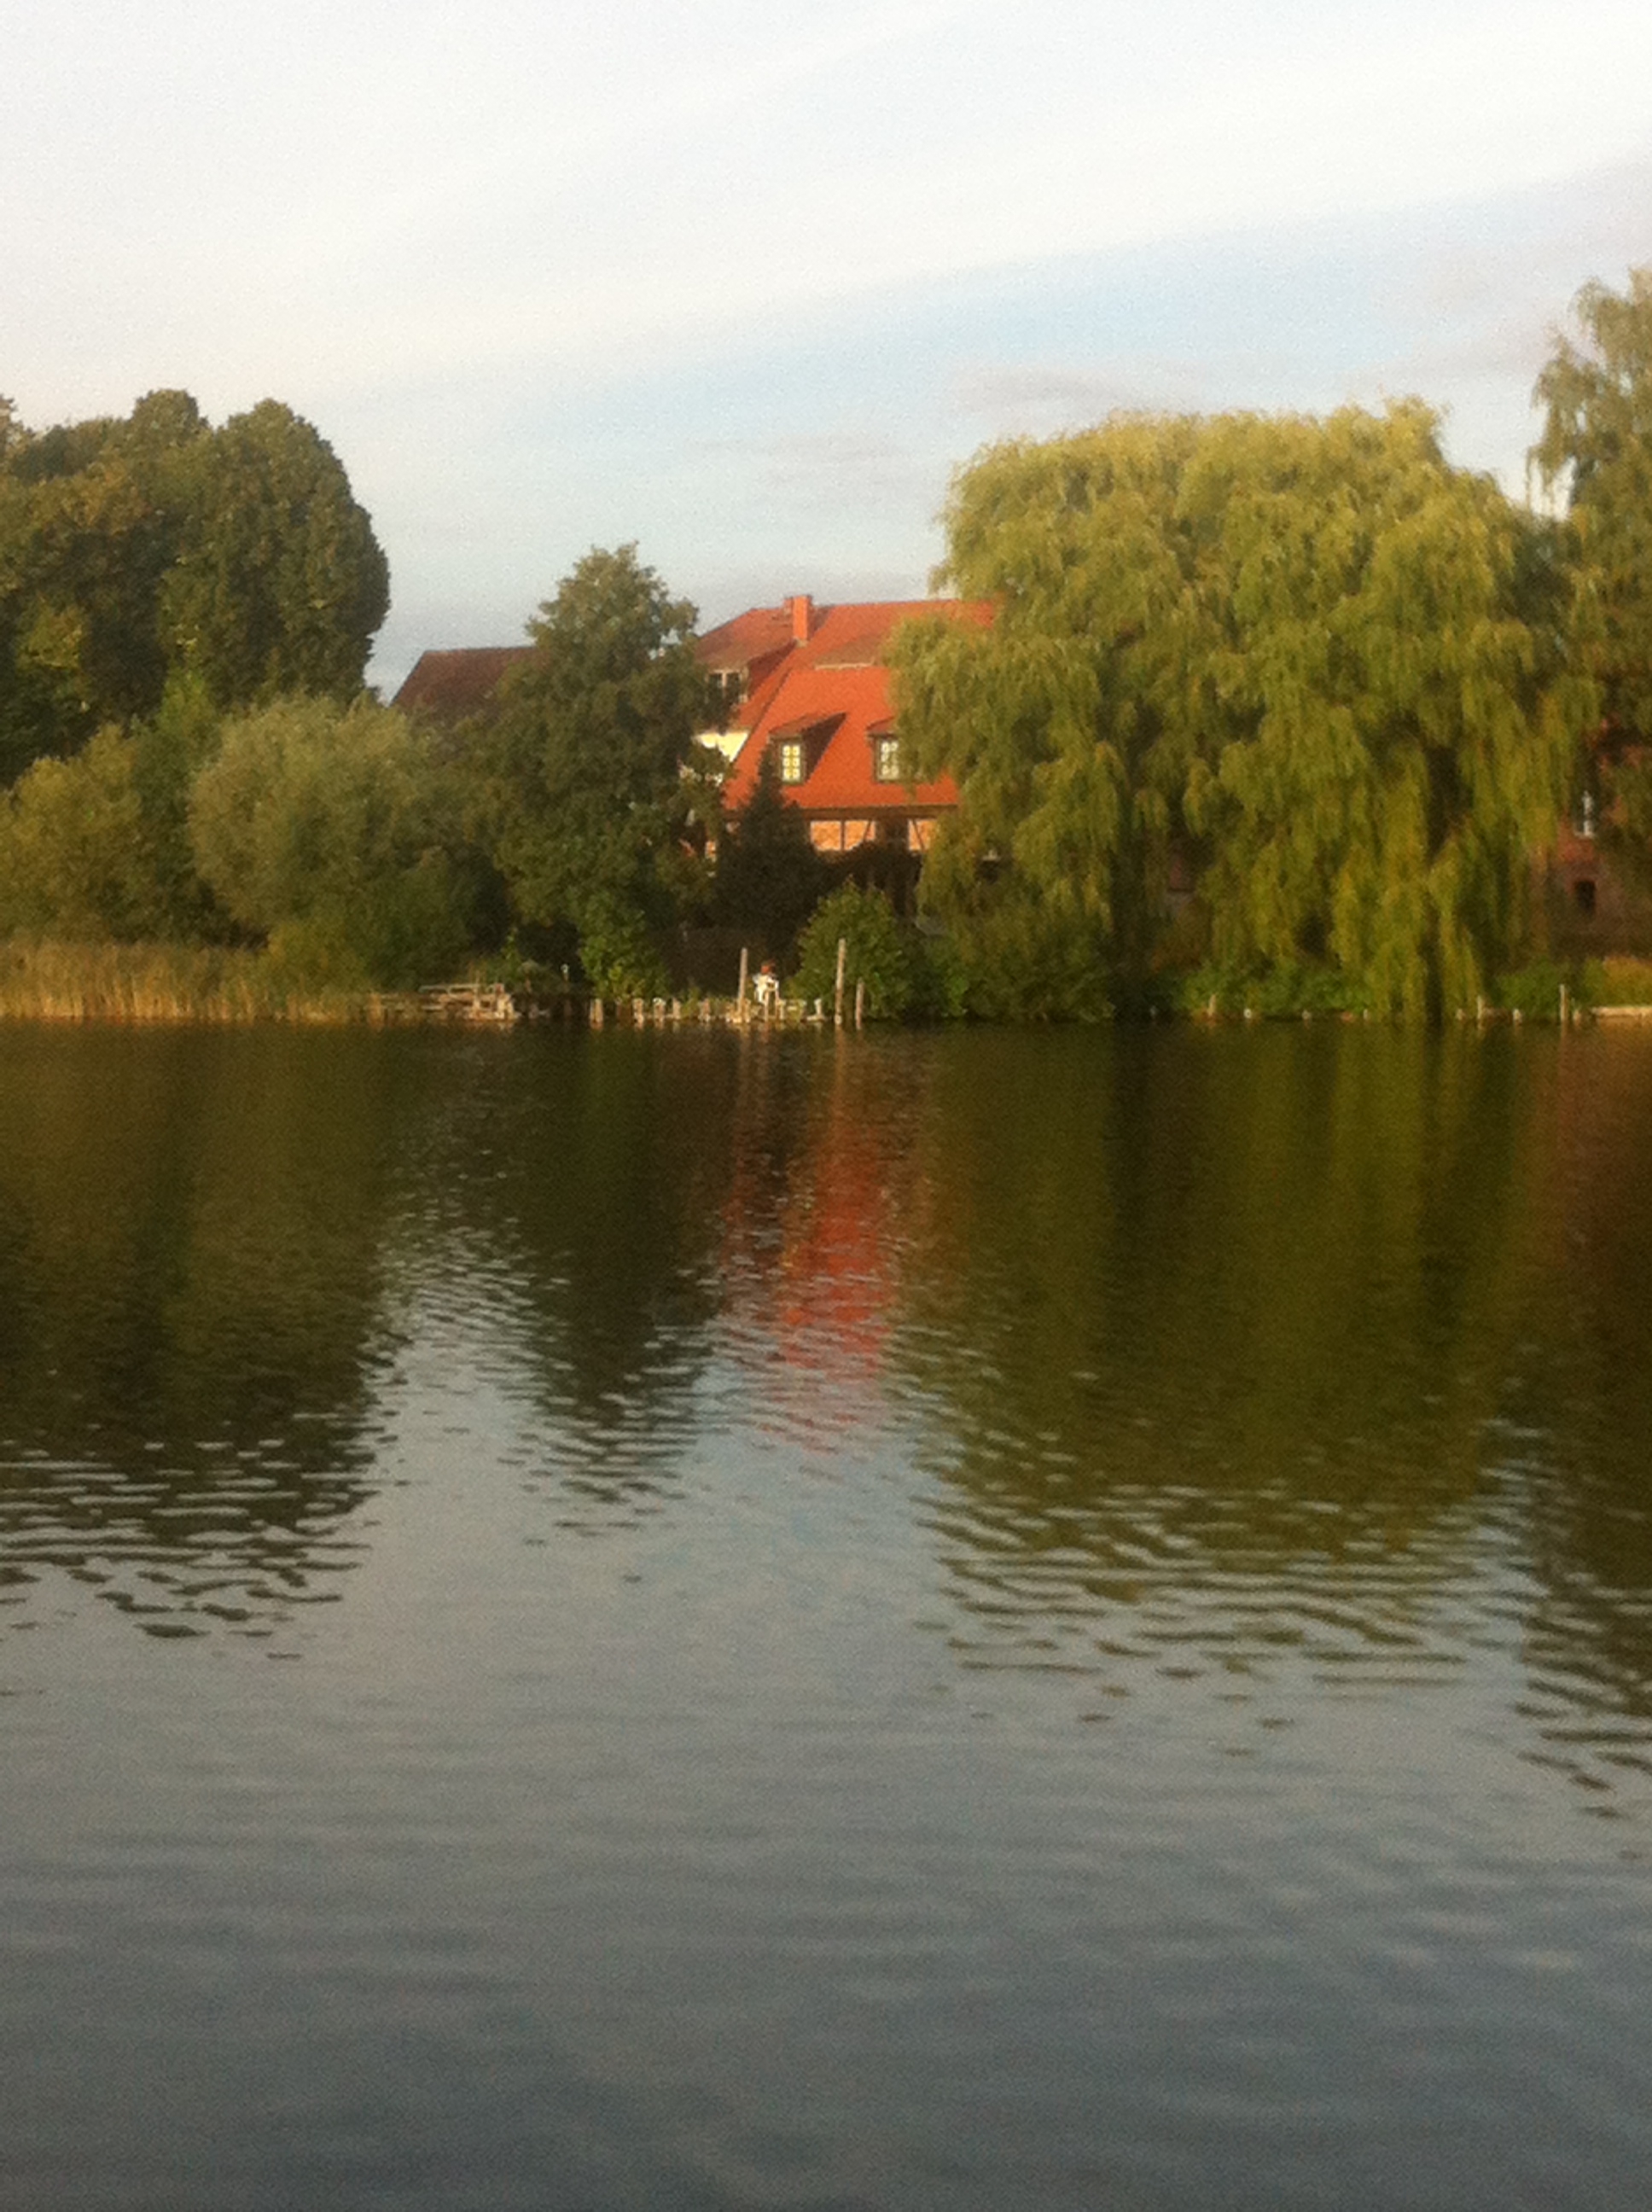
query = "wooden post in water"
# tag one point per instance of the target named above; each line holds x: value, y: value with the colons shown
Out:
x: 1563, y: 1005
x: 861, y: 1002
x: 842, y: 963
x: 596, y: 1013
x: 745, y: 977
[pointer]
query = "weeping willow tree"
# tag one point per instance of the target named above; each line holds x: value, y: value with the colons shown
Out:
x: 1597, y: 448
x: 1302, y: 666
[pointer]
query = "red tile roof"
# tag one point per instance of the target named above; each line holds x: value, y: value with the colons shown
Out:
x: 745, y: 638
x: 834, y: 684
x: 454, y: 683
x: 814, y: 672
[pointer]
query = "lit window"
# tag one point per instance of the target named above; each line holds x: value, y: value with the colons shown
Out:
x: 886, y: 759
x: 791, y: 760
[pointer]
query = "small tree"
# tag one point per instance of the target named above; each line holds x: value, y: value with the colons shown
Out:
x: 769, y: 876
x: 583, y: 770
x: 904, y: 975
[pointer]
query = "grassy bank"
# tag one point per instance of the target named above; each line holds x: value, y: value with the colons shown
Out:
x: 60, y: 980
x: 48, y: 980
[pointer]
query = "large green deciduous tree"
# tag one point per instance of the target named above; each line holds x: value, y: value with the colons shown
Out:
x: 142, y: 551
x: 587, y: 767
x: 1304, y: 661
x: 280, y: 583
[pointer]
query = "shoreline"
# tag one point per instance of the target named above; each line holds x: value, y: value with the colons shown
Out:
x: 218, y: 986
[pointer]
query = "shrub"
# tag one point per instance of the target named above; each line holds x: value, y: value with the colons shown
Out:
x: 907, y: 976
x: 1285, y: 989
x: 75, y: 855
x: 1615, y: 982
x: 335, y: 835
x: 1534, y: 992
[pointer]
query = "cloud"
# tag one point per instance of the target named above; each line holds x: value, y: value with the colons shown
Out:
x: 299, y: 194
x: 1041, y: 398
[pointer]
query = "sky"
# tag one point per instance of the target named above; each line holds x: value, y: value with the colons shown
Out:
x: 746, y: 283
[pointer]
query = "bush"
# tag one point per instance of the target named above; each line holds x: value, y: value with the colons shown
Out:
x: 335, y: 835
x: 75, y: 855
x: 1615, y: 983
x: 1534, y: 992
x: 1287, y: 988
x: 907, y: 976
x: 618, y: 950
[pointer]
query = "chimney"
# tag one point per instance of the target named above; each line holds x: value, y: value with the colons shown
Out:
x: 803, y: 617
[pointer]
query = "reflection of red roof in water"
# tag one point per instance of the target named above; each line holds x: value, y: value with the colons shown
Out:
x: 832, y: 1296
x: 822, y: 1298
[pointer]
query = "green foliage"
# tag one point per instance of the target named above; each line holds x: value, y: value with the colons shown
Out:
x: 769, y: 876
x: 280, y: 583
x: 1596, y: 445
x: 1285, y: 989
x: 169, y: 749
x: 907, y: 976
x: 77, y: 857
x: 1305, y: 658
x: 1534, y: 992
x: 584, y: 772
x: 1615, y: 983
x: 1022, y: 953
x: 335, y: 834
x: 134, y: 550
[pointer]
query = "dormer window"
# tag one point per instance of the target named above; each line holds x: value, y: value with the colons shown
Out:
x: 799, y: 746
x: 886, y: 759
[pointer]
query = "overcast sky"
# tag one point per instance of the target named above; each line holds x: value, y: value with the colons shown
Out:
x: 744, y: 283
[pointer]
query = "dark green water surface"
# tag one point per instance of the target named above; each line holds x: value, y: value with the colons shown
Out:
x: 691, y: 1621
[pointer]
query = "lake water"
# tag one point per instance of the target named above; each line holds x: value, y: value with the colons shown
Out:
x: 968, y: 1620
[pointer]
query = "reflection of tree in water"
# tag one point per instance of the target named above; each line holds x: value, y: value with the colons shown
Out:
x: 577, y: 1178
x: 1575, y: 1435
x: 189, y: 1279
x: 1220, y: 1319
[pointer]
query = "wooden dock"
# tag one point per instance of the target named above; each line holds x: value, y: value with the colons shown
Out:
x: 495, y: 1006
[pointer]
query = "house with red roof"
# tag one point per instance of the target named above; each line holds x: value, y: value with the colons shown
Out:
x: 805, y: 683
x: 807, y: 686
